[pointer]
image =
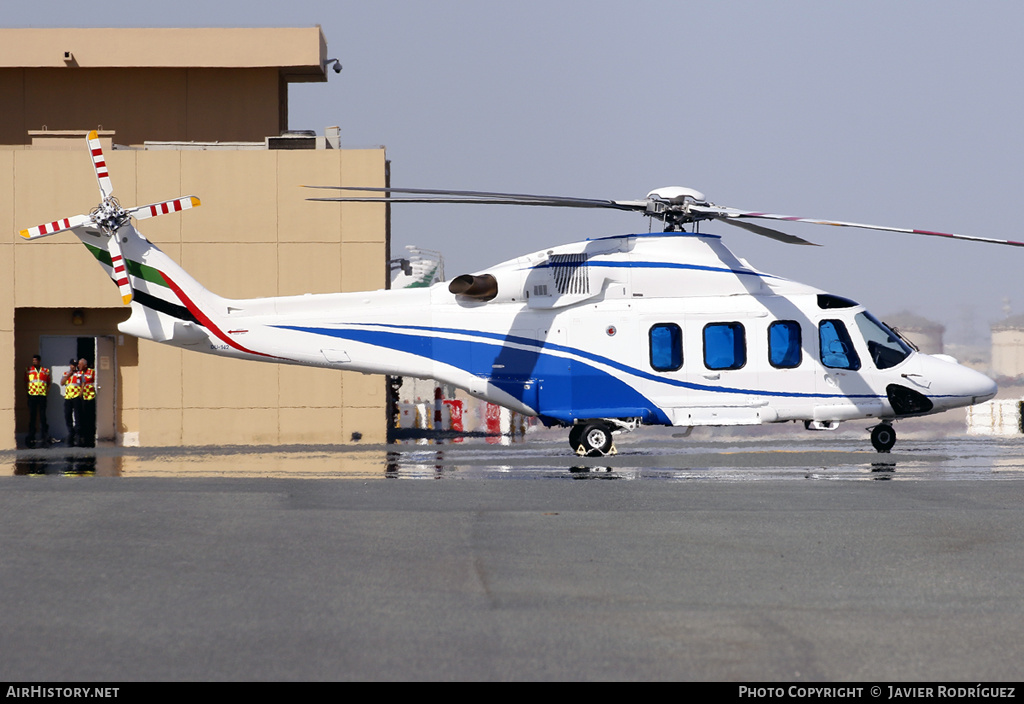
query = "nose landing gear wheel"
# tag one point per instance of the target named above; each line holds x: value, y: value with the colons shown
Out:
x: 883, y: 437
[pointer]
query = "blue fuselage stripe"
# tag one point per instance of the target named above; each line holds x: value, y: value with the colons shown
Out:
x: 555, y: 387
x: 427, y: 346
x: 650, y: 265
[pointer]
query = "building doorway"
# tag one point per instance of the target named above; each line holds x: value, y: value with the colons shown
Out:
x: 101, y: 354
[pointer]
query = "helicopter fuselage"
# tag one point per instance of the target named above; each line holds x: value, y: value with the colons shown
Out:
x: 667, y: 328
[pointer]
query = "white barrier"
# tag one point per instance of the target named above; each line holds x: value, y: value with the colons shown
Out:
x: 1000, y: 417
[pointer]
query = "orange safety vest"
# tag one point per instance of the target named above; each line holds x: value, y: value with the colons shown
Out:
x: 38, y: 381
x: 89, y: 385
x: 73, y: 386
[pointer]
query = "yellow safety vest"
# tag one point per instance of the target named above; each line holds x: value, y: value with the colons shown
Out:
x: 73, y: 387
x: 38, y: 381
x: 89, y: 385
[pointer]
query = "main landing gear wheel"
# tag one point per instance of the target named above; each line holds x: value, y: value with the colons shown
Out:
x: 575, y: 435
x: 591, y: 439
x: 883, y: 437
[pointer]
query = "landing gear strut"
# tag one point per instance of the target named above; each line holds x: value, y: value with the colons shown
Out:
x: 883, y: 437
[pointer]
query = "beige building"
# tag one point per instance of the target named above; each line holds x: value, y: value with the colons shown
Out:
x: 180, y: 112
x: 1008, y: 347
x: 926, y: 334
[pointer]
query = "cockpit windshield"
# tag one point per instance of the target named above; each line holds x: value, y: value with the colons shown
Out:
x: 886, y: 348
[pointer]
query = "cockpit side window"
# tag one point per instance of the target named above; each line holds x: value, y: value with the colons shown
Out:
x: 837, y: 350
x: 885, y: 347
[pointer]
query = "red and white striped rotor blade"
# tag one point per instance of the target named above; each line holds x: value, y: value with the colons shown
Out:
x: 120, y: 269
x: 52, y: 228
x: 99, y: 165
x: 168, y: 206
x: 732, y: 213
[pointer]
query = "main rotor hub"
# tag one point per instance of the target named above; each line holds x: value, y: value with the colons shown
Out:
x: 677, y: 195
x: 671, y: 204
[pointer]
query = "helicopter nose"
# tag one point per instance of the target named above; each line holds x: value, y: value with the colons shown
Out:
x: 955, y: 384
x: 987, y: 388
x: 978, y: 386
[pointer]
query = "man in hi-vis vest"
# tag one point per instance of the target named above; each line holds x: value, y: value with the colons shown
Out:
x: 37, y: 379
x: 72, y: 383
x: 87, y: 431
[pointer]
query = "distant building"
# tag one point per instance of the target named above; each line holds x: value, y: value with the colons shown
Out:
x: 422, y: 269
x: 926, y: 334
x: 1008, y: 347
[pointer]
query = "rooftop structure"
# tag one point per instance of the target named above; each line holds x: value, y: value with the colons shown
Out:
x: 155, y: 84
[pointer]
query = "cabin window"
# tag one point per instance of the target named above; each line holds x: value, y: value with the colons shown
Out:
x: 666, y: 347
x: 885, y: 347
x: 836, y: 347
x: 784, y: 344
x: 725, y: 346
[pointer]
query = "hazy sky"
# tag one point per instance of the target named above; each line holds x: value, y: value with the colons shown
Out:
x: 894, y: 113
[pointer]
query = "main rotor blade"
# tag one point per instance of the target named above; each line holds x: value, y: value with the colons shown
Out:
x: 488, y: 197
x: 688, y: 212
x: 728, y: 214
x: 99, y: 165
x: 482, y: 201
x: 436, y: 192
x: 769, y: 232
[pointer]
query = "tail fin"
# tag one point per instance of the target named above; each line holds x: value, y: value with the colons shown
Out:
x: 166, y: 302
x: 168, y: 305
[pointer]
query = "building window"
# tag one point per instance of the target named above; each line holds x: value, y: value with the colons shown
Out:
x: 836, y: 347
x: 784, y: 344
x: 666, y: 347
x: 725, y: 346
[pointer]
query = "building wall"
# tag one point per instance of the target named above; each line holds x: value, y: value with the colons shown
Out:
x: 254, y: 235
x: 10, y: 392
x: 155, y: 104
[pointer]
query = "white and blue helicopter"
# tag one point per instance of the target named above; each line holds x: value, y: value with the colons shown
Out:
x: 601, y: 336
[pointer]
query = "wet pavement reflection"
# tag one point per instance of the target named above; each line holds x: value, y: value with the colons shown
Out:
x: 651, y: 460
x: 66, y: 463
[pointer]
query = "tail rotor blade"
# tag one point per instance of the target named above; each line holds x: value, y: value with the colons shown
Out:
x: 52, y: 228
x: 99, y: 165
x: 120, y: 271
x: 164, y: 207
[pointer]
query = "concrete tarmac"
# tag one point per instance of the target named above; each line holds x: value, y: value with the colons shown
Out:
x: 151, y: 576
